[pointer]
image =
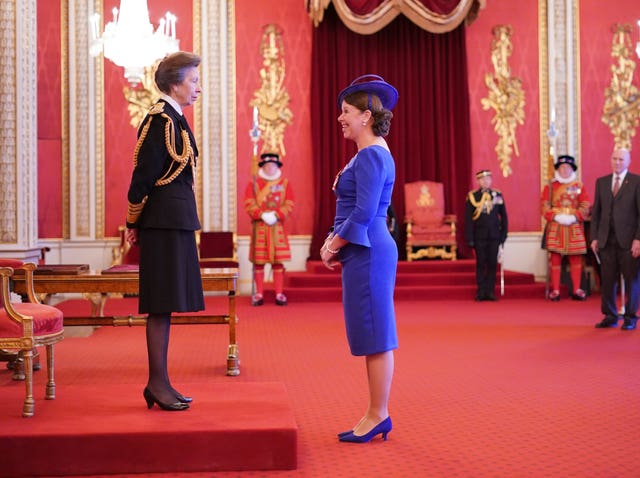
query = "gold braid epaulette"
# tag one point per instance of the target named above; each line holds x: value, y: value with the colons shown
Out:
x: 183, y: 159
x: 485, y: 202
x: 187, y: 156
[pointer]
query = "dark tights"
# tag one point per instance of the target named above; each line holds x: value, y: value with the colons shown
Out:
x: 158, y: 327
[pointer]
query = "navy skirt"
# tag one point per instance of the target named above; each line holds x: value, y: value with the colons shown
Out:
x: 170, y: 278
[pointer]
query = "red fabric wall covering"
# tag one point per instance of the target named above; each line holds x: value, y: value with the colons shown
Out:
x: 49, y: 121
x: 251, y: 15
x: 522, y: 188
x: 291, y: 16
x: 596, y: 36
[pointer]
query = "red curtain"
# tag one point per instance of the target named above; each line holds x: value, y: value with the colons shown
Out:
x: 430, y: 134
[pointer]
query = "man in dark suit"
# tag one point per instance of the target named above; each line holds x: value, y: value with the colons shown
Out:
x: 615, y: 239
x: 486, y: 227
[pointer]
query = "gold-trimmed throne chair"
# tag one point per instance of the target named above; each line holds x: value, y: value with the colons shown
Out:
x: 217, y: 249
x: 430, y: 232
x: 27, y: 325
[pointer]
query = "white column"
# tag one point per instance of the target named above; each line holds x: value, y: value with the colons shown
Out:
x: 563, y: 84
x: 217, y: 112
x: 19, y: 130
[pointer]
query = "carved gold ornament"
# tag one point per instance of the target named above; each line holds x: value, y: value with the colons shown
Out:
x: 506, y: 98
x: 272, y: 99
x: 142, y: 97
x: 621, y: 100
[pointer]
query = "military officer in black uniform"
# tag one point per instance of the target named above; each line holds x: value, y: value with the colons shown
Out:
x: 162, y: 218
x: 485, y: 230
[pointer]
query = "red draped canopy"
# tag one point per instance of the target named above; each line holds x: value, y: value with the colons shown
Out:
x: 430, y: 137
x: 370, y: 16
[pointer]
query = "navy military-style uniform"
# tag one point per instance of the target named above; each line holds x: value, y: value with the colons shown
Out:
x: 486, y: 228
x: 162, y: 205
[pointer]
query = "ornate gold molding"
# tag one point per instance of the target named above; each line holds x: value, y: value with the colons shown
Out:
x: 316, y: 10
x: 546, y: 146
x: 19, y: 131
x: 506, y: 97
x: 9, y: 133
x: 140, y: 98
x: 621, y: 111
x: 272, y: 99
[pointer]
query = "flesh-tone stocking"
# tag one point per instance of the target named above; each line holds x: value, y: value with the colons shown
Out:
x: 379, y: 374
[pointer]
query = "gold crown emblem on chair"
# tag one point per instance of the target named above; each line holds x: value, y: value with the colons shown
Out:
x: 430, y: 232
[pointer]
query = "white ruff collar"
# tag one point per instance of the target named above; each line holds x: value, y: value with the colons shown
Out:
x: 273, y: 177
x: 568, y: 180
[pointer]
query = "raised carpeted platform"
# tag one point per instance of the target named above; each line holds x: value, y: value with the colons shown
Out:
x: 416, y: 280
x: 91, y: 430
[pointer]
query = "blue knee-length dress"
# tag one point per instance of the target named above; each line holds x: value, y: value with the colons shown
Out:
x: 369, y: 261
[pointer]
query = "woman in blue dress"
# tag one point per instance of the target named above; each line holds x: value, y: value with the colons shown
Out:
x: 362, y: 244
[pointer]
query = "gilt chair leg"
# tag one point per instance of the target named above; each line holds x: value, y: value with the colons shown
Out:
x: 51, y: 384
x: 17, y: 364
x: 18, y: 367
x: 29, y: 403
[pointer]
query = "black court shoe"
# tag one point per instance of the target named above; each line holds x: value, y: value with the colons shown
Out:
x: 150, y: 398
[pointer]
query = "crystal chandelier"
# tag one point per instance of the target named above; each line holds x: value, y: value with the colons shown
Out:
x: 129, y: 40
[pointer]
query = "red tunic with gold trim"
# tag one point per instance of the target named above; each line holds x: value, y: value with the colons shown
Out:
x: 269, y: 244
x: 570, y: 198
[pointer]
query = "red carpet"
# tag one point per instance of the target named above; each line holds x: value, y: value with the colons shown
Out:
x: 515, y: 388
x: 416, y: 280
x: 103, y: 429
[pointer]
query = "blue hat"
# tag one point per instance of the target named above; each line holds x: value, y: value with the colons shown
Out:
x: 372, y: 84
x: 566, y: 159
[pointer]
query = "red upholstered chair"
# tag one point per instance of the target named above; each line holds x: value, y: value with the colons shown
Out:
x: 24, y: 326
x: 430, y: 232
x: 217, y: 249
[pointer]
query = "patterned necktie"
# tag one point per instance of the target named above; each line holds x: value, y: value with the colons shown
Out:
x: 616, y: 185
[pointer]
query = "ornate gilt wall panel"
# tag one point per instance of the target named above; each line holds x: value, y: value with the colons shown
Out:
x: 18, y: 131
x: 621, y: 111
x: 505, y: 96
x: 8, y: 130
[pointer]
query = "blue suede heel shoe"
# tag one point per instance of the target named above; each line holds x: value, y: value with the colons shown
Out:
x: 384, y: 427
